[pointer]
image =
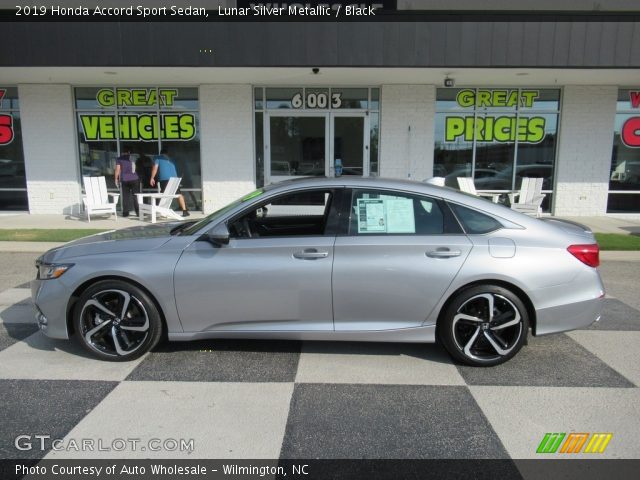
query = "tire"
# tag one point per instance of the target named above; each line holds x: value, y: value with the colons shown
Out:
x: 108, y: 333
x: 473, y: 337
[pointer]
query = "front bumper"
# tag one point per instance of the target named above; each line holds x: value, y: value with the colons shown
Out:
x: 51, y: 298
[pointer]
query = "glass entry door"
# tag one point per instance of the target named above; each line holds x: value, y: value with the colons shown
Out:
x: 350, y: 146
x: 297, y: 146
x: 315, y: 144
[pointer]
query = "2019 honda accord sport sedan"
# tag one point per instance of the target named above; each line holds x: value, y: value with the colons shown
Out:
x: 360, y: 259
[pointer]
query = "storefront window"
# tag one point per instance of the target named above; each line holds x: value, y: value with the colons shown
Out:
x: 13, y: 182
x: 146, y: 120
x: 497, y: 136
x: 624, y: 178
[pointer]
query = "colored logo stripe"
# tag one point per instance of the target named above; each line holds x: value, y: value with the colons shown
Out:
x: 574, y: 442
x: 550, y: 443
x: 598, y: 443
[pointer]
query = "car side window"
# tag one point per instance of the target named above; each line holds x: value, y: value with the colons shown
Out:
x: 382, y: 212
x: 473, y: 221
x: 293, y: 214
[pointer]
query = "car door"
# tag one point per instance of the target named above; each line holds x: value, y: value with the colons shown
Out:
x: 399, y: 255
x: 275, y: 273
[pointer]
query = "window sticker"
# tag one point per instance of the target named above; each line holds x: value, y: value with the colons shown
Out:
x: 400, y: 217
x: 385, y: 215
x: 371, y: 216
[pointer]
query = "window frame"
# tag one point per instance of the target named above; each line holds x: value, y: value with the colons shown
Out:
x: 331, y: 223
x: 450, y: 224
x: 462, y: 224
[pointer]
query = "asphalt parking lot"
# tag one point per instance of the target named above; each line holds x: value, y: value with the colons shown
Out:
x: 269, y: 399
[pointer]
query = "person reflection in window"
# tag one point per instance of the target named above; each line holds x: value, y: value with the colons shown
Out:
x: 127, y: 178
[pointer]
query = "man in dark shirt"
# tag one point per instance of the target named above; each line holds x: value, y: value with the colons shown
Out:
x: 126, y: 176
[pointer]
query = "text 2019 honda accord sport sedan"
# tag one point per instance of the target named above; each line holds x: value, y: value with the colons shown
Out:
x: 359, y: 259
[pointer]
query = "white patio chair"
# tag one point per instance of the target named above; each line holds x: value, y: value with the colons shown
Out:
x: 529, y: 198
x: 466, y: 185
x: 160, y: 204
x: 96, y: 198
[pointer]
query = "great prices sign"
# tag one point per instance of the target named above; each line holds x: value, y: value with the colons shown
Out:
x: 630, y: 133
x: 501, y: 128
x: 6, y: 123
x: 143, y: 126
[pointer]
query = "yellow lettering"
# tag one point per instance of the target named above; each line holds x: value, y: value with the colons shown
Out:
x: 465, y: 98
x: 139, y: 97
x: 187, y: 127
x: 454, y: 127
x: 536, y: 129
x: 528, y: 97
x: 171, y: 127
x: 107, y: 128
x: 105, y: 97
x: 167, y: 95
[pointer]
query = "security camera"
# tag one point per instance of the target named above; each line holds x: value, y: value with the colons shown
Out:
x: 449, y: 82
x: 315, y: 70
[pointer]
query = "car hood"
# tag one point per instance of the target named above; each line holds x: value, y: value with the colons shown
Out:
x: 114, y: 241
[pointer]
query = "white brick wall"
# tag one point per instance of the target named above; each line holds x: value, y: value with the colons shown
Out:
x: 407, y: 131
x: 226, y: 143
x: 584, y: 153
x: 50, y: 148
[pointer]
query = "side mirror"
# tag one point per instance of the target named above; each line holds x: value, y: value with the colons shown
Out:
x: 218, y: 235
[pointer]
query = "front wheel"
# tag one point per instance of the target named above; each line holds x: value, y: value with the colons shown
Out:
x: 117, y: 321
x: 484, y: 326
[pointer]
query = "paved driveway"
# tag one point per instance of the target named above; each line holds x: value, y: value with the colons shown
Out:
x: 269, y: 399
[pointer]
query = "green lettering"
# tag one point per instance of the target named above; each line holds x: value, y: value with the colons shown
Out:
x: 480, y: 131
x: 124, y: 96
x: 536, y: 129
x: 502, y: 129
x: 499, y: 98
x: 187, y: 126
x: 465, y: 98
x: 124, y: 127
x: 454, y: 127
x: 105, y: 97
x: 107, y: 127
x: 171, y: 129
x: 513, y: 98
x: 469, y: 125
x: 167, y: 95
x: 139, y: 97
x: 483, y: 98
x: 89, y: 127
x: 146, y: 127
x: 528, y: 97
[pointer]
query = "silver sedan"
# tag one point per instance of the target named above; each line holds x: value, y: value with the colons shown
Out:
x: 358, y: 259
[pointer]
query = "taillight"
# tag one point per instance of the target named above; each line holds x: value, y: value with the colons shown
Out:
x: 587, y: 254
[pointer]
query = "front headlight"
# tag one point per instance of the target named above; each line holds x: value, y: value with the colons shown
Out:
x: 47, y: 271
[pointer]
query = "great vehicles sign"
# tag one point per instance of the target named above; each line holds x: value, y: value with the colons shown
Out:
x: 127, y: 124
x: 499, y: 127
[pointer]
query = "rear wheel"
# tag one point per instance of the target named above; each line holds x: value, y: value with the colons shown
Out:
x: 117, y: 321
x: 484, y: 326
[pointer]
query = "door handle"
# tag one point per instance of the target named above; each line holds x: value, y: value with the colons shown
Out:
x: 310, y: 254
x: 443, y: 253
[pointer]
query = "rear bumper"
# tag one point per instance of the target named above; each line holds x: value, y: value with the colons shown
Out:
x: 569, y: 317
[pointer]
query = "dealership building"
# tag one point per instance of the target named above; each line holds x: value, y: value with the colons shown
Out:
x: 547, y: 89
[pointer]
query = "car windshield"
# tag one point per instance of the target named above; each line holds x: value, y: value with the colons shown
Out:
x: 209, y: 218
